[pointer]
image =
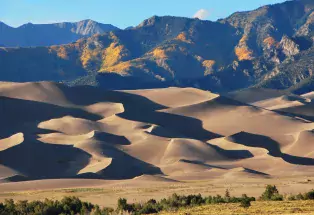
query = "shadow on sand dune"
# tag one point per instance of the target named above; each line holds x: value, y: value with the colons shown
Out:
x: 273, y: 147
x: 187, y: 126
x: 233, y: 154
x: 141, y: 109
x: 111, y: 138
x: 124, y: 166
x: 19, y: 115
x: 94, y: 95
x: 37, y: 160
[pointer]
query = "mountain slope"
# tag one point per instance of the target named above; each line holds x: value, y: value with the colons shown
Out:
x: 248, y: 49
x: 50, y: 34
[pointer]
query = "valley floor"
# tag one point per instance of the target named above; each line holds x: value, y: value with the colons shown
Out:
x: 257, y: 208
x: 106, y: 193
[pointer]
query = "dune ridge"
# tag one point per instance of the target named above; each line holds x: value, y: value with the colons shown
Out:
x: 163, y: 135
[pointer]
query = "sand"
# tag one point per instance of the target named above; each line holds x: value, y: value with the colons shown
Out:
x: 56, y: 137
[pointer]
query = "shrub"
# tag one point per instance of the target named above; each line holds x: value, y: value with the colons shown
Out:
x: 122, y: 204
x: 68, y: 205
x: 208, y: 200
x: 245, y: 203
x: 276, y: 197
x: 309, y: 195
x: 148, y: 209
x: 306, y: 196
x: 227, y: 194
x: 271, y: 193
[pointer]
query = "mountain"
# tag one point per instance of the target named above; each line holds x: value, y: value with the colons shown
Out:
x: 271, y: 46
x: 29, y: 35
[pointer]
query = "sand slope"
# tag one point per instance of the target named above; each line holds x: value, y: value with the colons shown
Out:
x: 51, y: 131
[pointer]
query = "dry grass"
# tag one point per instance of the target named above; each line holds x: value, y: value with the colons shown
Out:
x: 262, y: 208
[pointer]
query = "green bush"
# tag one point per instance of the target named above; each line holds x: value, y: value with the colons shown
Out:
x: 174, y: 202
x: 309, y: 195
x: 122, y: 204
x: 68, y: 205
x: 306, y: 196
x: 245, y: 203
x: 271, y: 193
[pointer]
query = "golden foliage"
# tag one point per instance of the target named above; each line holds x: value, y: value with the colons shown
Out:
x: 89, y: 55
x: 159, y: 53
x: 64, y: 51
x: 243, y: 40
x: 61, y: 52
x: 120, y: 68
x: 114, y: 54
x: 209, y: 63
x: 243, y: 53
x: 269, y: 41
x: 182, y: 37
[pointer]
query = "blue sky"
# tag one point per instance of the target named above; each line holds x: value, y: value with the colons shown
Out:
x: 121, y: 13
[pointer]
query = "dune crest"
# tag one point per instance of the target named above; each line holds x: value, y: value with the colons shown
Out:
x: 12, y: 141
x: 168, y: 134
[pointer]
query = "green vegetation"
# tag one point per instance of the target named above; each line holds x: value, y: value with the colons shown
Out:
x: 245, y: 203
x: 271, y: 193
x: 73, y: 205
x: 175, y: 202
x: 305, y: 196
x: 68, y: 205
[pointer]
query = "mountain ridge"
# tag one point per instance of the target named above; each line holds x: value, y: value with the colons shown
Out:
x: 247, y: 49
x: 62, y: 33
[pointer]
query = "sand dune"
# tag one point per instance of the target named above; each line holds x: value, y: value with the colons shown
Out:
x: 46, y: 92
x: 309, y: 95
x: 225, y: 117
x: 250, y: 96
x: 11, y: 141
x: 160, y: 135
x: 70, y: 125
x: 185, y: 149
x: 303, y: 145
x: 175, y: 97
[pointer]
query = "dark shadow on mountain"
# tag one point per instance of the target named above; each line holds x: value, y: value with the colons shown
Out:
x: 260, y: 141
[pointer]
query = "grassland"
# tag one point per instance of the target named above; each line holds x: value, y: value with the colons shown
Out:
x: 257, y: 208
